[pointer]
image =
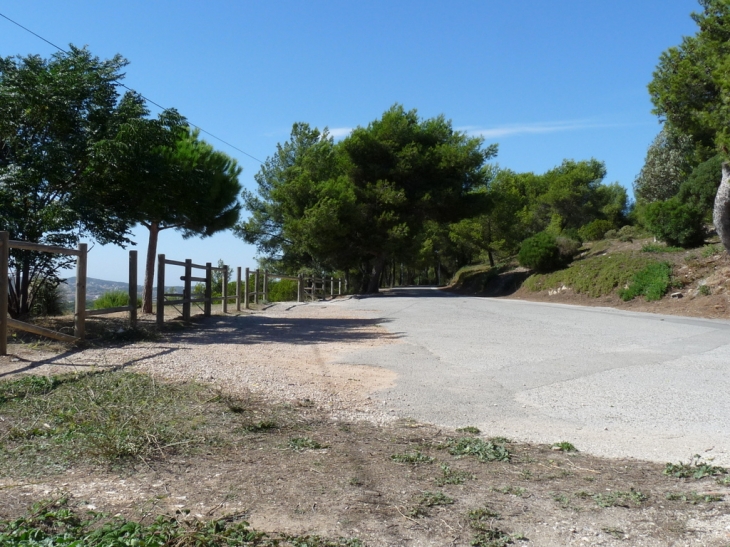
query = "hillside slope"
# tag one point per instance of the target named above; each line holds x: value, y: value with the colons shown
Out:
x: 700, y: 279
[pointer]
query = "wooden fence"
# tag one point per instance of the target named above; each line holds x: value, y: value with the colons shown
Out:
x: 308, y: 288
x: 80, y: 311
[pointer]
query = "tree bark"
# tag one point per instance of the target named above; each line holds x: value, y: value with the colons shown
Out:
x: 721, y: 211
x: 374, y: 284
x: 149, y: 271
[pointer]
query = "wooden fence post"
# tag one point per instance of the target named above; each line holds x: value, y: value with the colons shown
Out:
x: 160, y: 290
x: 339, y: 286
x: 238, y: 288
x: 5, y: 244
x: 332, y: 287
x: 256, y: 287
x: 188, y: 283
x: 80, y: 315
x: 246, y: 290
x: 133, y: 288
x: 266, y: 287
x: 314, y: 288
x: 300, y: 288
x: 208, y: 289
x: 225, y: 289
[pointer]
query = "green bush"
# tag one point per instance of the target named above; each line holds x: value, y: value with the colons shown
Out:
x: 651, y: 282
x: 700, y: 188
x: 676, y: 223
x: 541, y: 253
x: 595, y: 230
x: 47, y: 300
x: 284, y: 290
x: 114, y: 299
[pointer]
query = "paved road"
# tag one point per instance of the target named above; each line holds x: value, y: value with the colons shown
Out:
x: 612, y: 382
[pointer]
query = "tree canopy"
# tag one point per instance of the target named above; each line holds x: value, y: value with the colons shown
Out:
x: 57, y: 116
x: 365, y: 200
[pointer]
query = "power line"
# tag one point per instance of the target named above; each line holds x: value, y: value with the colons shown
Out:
x: 132, y: 90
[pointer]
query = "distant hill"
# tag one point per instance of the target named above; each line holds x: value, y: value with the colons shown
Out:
x: 96, y: 287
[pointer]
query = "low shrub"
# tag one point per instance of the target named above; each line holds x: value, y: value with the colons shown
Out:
x: 652, y: 282
x: 114, y: 299
x: 541, y: 253
x: 676, y: 223
x: 284, y: 290
x: 595, y: 230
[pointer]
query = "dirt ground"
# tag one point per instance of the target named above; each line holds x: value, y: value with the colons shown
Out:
x: 279, y: 363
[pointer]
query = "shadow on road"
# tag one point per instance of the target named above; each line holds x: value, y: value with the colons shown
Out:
x: 257, y: 329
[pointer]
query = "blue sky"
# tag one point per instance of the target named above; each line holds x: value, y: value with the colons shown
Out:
x: 544, y: 80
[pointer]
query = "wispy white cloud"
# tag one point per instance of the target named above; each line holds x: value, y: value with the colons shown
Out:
x: 340, y: 132
x: 533, y: 128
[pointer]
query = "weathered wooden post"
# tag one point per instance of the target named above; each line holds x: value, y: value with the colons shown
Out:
x: 238, y: 288
x: 339, y: 286
x: 314, y: 288
x: 266, y: 287
x: 133, y: 288
x: 80, y: 315
x: 332, y: 287
x: 186, y: 289
x: 300, y: 288
x: 208, y: 289
x: 256, y: 287
x: 224, y: 289
x: 246, y: 289
x: 4, y: 251
x: 160, y: 290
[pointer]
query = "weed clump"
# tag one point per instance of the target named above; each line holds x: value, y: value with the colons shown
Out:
x: 412, y: 457
x: 693, y: 498
x: 484, y: 451
x: 694, y: 469
x: 304, y: 443
x: 55, y: 523
x: 452, y: 476
x: 564, y: 446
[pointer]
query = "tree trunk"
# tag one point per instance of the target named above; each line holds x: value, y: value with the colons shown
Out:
x: 721, y: 211
x: 149, y: 271
x: 374, y: 284
x: 491, y: 258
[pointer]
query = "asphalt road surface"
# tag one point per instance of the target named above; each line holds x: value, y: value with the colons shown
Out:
x: 614, y: 383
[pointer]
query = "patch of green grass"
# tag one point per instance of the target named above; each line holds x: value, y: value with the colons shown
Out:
x: 564, y: 446
x: 452, y: 476
x: 652, y: 282
x: 304, y: 443
x: 704, y: 290
x: 54, y: 523
x: 724, y: 481
x: 108, y: 417
x: 655, y: 248
x: 595, y: 276
x: 484, y: 451
x: 694, y: 469
x: 565, y: 500
x: 694, y: 498
x: 469, y: 429
x: 483, y: 518
x: 412, y: 457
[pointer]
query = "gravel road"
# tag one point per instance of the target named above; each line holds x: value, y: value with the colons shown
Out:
x: 614, y: 383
